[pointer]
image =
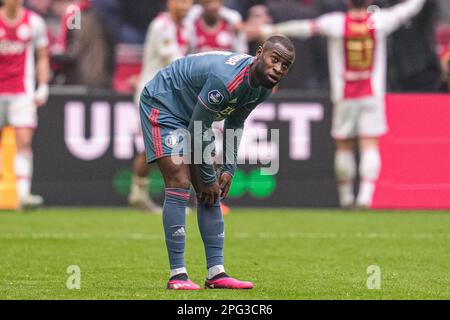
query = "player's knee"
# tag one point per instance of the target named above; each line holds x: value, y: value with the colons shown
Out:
x: 345, y: 165
x: 181, y: 182
x: 23, y: 141
x: 23, y: 145
x: 370, y: 165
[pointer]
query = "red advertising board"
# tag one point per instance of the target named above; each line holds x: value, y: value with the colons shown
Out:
x: 416, y: 153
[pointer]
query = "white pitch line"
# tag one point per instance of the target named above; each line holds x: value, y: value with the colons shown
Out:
x: 238, y: 235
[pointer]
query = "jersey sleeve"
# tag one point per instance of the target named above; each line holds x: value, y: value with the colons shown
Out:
x: 231, y: 142
x: 210, y: 100
x: 40, y: 36
x: 327, y: 25
x: 232, y: 139
x: 330, y: 25
x: 389, y: 20
x: 164, y: 41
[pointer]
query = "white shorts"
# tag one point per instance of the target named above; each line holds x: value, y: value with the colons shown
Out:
x: 359, y: 118
x: 18, y: 111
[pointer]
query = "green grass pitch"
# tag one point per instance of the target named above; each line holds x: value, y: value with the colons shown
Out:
x: 288, y: 254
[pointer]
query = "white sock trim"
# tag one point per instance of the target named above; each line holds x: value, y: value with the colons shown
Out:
x: 215, y: 270
x: 174, y: 272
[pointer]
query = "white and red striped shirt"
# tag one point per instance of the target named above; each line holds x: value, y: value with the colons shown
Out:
x: 357, y: 46
x: 220, y: 37
x: 165, y: 42
x: 18, y: 42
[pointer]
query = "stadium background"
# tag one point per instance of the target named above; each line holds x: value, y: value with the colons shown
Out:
x: 83, y: 152
x: 85, y: 144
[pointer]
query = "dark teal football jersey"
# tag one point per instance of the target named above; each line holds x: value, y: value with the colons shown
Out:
x: 218, y: 81
x: 207, y: 87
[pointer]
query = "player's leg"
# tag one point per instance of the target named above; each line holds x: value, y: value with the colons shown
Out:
x: 3, y: 123
x: 177, y: 187
x: 156, y: 128
x: 139, y: 195
x: 22, y: 115
x: 372, y: 124
x: 1, y: 155
x: 369, y: 170
x: 343, y: 132
x: 212, y: 230
x: 23, y: 166
x: 345, y: 168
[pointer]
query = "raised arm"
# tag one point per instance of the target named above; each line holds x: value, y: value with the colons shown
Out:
x: 389, y: 20
x: 327, y: 25
x: 42, y: 60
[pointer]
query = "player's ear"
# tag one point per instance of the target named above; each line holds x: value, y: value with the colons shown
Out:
x: 259, y: 51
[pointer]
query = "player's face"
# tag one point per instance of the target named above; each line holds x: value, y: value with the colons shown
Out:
x: 211, y: 8
x: 12, y: 3
x: 273, y: 64
x: 179, y: 8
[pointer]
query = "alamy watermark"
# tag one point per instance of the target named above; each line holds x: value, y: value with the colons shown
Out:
x: 74, y: 280
x: 73, y: 13
x: 374, y: 280
x: 372, y: 10
x: 201, y: 148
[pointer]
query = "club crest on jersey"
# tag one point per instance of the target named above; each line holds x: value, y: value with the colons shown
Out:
x: 215, y: 97
x: 171, y: 140
x: 23, y: 33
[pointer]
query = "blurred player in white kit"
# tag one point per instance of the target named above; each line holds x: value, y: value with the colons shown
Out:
x: 166, y: 41
x: 357, y: 58
x: 23, y: 34
x: 214, y: 27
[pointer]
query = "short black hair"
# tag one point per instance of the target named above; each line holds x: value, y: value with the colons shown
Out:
x: 359, y: 4
x: 283, y: 40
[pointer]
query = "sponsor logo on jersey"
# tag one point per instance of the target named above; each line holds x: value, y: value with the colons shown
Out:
x: 11, y: 47
x: 23, y: 33
x: 215, y: 97
x: 224, y: 113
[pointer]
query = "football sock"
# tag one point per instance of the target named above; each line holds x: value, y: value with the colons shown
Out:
x: 210, y: 223
x: 216, y: 272
x: 180, y: 276
x: 139, y: 185
x: 345, y: 168
x: 174, y: 221
x: 369, y: 169
x: 23, y: 168
x: 219, y: 276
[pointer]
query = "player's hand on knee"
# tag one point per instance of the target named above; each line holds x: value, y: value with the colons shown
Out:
x: 225, y: 183
x: 210, y: 193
